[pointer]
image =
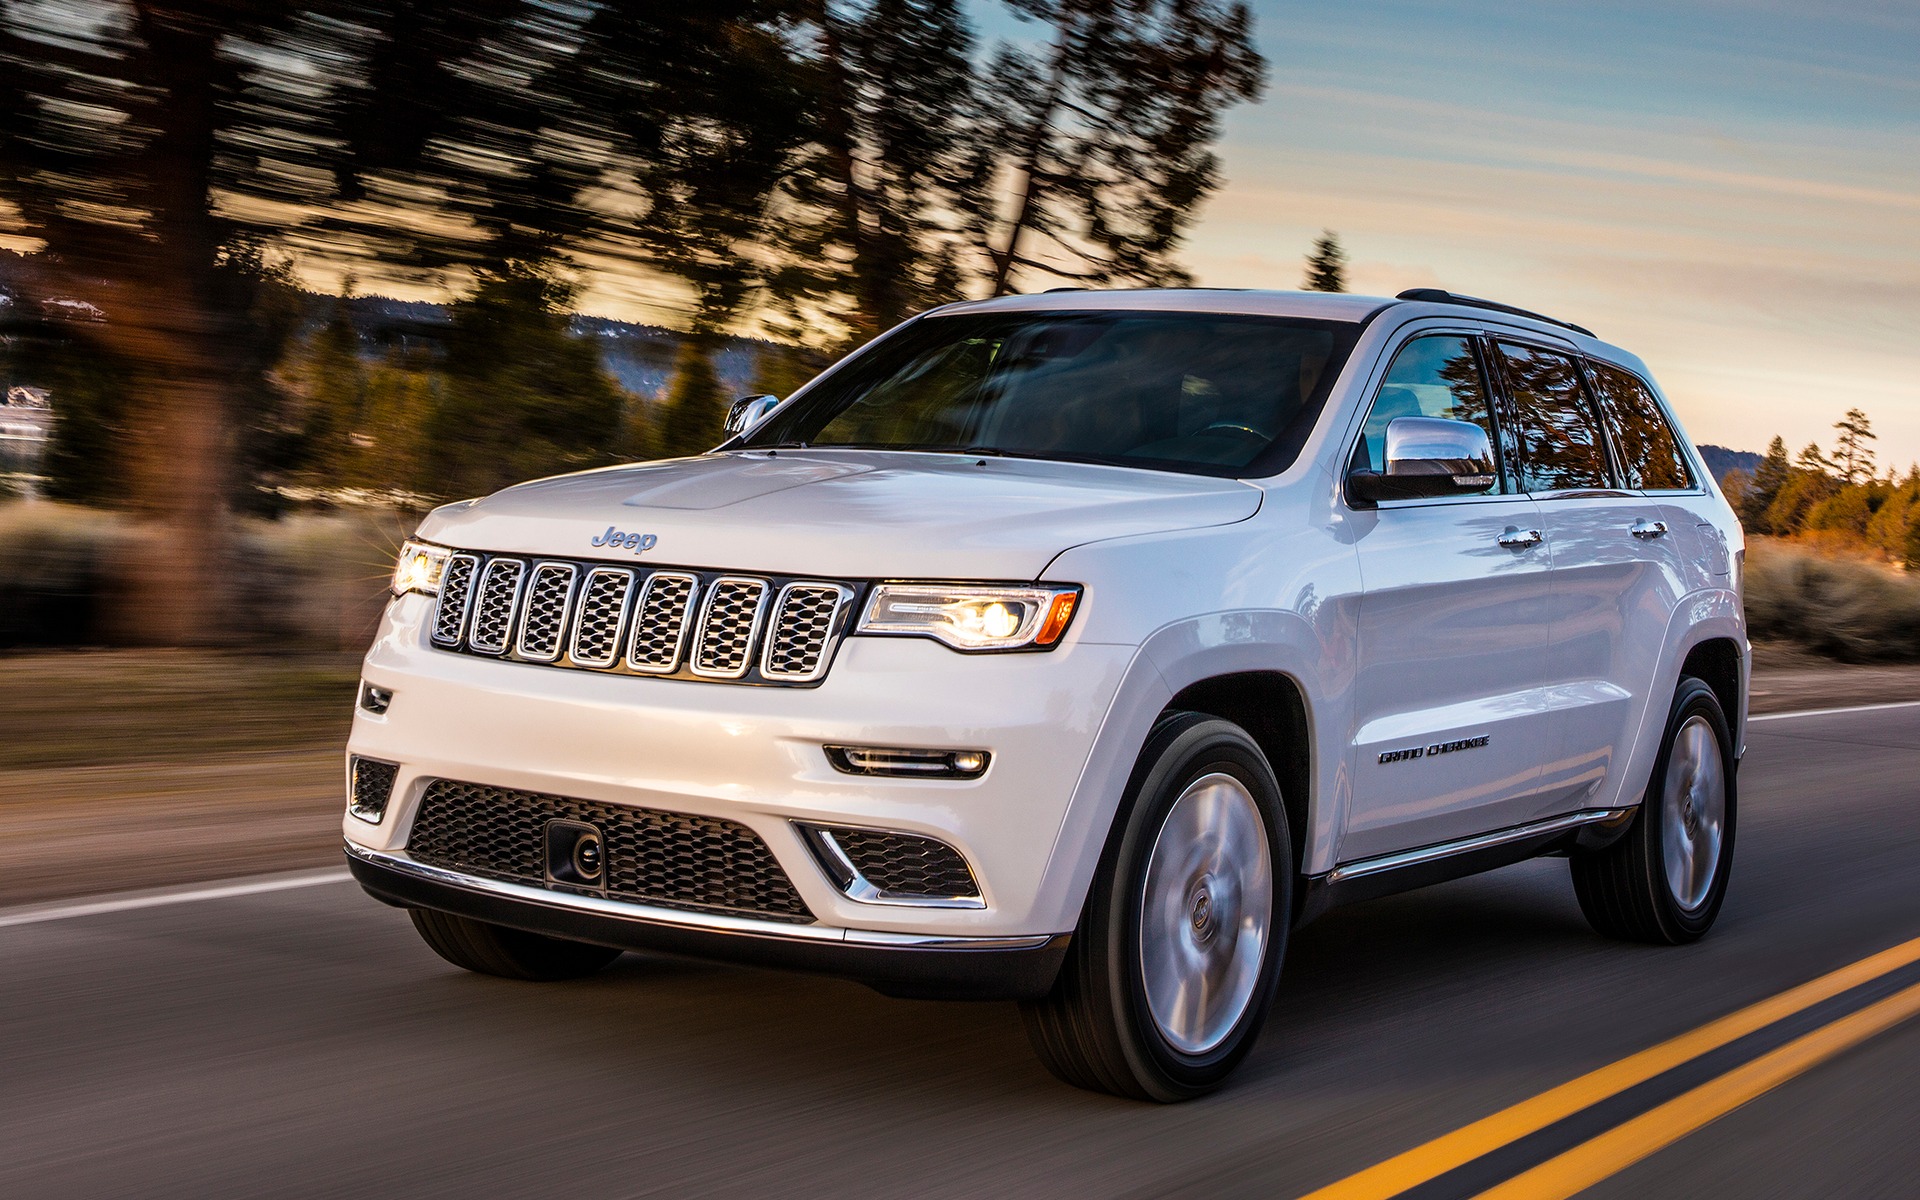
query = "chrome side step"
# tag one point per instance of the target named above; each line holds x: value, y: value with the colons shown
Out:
x: 1369, y: 878
x: 1361, y: 868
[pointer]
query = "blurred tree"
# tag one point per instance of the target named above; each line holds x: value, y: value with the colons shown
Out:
x: 523, y: 397
x: 1887, y: 531
x: 1804, y: 489
x: 1847, y: 511
x: 1104, y: 140
x: 333, y: 381
x: 1811, y: 459
x: 142, y: 142
x: 1326, y: 265
x: 121, y: 127
x: 1768, y: 478
x: 1852, y: 457
x: 869, y: 235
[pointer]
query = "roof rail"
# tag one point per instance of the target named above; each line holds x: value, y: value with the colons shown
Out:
x: 1438, y: 296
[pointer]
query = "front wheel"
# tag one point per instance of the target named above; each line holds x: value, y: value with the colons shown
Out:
x: 1173, y: 967
x: 1663, y: 881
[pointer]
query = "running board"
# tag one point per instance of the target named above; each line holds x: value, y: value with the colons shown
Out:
x: 1368, y: 878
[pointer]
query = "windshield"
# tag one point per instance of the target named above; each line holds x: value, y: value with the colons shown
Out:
x: 1206, y: 393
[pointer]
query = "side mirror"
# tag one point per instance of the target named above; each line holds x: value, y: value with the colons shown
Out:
x: 1428, y: 457
x: 749, y: 411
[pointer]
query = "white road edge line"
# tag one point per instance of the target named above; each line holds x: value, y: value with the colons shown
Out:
x: 1834, y: 712
x: 192, y: 893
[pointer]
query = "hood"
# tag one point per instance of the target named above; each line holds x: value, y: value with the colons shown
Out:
x: 847, y: 514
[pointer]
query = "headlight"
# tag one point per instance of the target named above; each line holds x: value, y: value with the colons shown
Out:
x: 970, y: 616
x: 419, y: 568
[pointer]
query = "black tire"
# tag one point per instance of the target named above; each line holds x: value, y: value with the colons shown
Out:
x: 1096, y: 1029
x: 509, y: 953
x: 1625, y: 890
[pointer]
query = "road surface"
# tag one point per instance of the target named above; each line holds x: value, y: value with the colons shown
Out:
x: 302, y: 1042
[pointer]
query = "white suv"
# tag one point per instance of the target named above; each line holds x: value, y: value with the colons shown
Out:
x: 1074, y: 648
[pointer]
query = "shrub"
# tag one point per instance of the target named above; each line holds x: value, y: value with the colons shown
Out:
x: 53, y: 575
x: 1844, y: 607
x: 306, y: 582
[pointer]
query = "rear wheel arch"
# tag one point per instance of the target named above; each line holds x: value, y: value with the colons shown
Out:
x: 1717, y: 663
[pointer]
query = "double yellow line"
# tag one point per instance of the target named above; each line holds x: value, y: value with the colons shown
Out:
x: 1623, y: 1145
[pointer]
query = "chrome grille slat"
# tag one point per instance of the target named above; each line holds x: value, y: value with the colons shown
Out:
x: 803, y: 625
x: 729, y: 623
x: 544, y: 622
x: 456, y: 593
x: 660, y: 627
x: 494, y: 608
x: 603, y: 615
x: 681, y: 623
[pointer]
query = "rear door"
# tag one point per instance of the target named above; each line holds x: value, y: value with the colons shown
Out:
x: 1451, y: 719
x: 1652, y: 463
x: 1616, y: 574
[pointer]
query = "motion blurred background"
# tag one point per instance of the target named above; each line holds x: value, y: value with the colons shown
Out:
x: 277, y: 276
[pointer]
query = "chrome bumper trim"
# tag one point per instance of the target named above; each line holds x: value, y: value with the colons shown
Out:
x: 1361, y: 868
x: 395, y: 860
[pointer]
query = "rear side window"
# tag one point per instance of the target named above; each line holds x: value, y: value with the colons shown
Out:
x: 1649, y: 453
x: 1435, y: 376
x: 1559, y: 441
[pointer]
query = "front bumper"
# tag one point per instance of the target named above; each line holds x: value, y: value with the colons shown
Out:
x: 952, y: 968
x: 753, y: 755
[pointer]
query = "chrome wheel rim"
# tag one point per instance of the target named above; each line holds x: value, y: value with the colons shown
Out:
x: 1693, y: 812
x: 1206, y: 912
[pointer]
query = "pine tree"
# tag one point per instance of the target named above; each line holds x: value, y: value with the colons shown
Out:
x: 1768, y: 478
x: 869, y: 211
x: 1852, y: 457
x: 524, y: 395
x: 1103, y: 139
x: 1814, y: 460
x: 1326, y: 265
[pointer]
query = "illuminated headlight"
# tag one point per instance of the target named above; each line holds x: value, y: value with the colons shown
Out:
x: 970, y: 616
x: 419, y: 568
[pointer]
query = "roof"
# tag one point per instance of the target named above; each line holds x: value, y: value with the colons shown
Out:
x: 1330, y: 306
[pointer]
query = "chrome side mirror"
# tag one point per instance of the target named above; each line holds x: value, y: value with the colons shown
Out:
x: 749, y: 411
x: 1428, y: 457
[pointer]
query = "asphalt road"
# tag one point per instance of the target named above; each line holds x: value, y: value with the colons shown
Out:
x: 304, y: 1043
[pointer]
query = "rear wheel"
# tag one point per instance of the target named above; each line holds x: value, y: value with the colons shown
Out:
x: 509, y: 953
x: 1664, y: 880
x: 1173, y: 968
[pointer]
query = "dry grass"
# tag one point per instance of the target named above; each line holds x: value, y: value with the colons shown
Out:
x: 1845, y: 607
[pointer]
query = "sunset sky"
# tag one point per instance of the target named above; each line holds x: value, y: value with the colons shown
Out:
x: 1730, y: 190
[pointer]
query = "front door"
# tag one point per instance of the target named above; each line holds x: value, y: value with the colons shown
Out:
x: 1451, y: 716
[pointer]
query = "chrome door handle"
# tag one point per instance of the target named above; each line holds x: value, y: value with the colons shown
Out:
x: 1647, y: 530
x: 1519, y: 539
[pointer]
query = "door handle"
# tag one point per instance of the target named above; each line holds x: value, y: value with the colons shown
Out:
x: 1647, y: 530
x: 1519, y: 539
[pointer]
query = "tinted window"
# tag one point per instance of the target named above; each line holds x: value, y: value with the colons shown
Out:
x: 1559, y: 442
x: 1204, y: 392
x: 1430, y: 377
x: 1649, y: 453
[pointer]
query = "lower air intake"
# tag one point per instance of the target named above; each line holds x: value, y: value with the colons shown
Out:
x: 878, y: 866
x: 669, y: 859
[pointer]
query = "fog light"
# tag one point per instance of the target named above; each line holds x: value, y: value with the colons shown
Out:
x: 375, y: 699
x: 907, y: 763
x: 369, y: 786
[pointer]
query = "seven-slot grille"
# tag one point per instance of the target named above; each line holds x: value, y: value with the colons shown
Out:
x: 670, y: 859
x: 626, y: 620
